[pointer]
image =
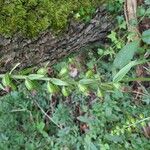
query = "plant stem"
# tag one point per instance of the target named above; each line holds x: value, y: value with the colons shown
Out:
x: 46, y: 114
x: 148, y: 118
x: 136, y: 79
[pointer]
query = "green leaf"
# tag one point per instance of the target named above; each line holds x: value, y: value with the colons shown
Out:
x: 113, y: 138
x: 35, y: 76
x: 89, y: 74
x: 112, y: 36
x: 84, y: 119
x: 42, y: 71
x: 63, y: 71
x: 13, y: 86
x: 87, y: 81
x: 25, y: 71
x: 99, y: 93
x: 108, y: 111
x: 89, y: 145
x: 147, y: 2
x: 146, y: 36
x: 119, y: 76
x: 83, y: 88
x: 6, y: 80
x: 40, y: 126
x: 59, y: 82
x: 64, y: 91
x: 125, y: 54
x: 30, y: 85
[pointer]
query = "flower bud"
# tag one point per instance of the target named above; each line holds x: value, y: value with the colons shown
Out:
x: 89, y: 74
x: 42, y: 71
x: 6, y: 80
x: 29, y: 84
x: 83, y: 88
x: 65, y: 92
x: 63, y: 71
x: 53, y: 89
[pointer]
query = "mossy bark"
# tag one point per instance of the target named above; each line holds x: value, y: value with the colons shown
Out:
x: 47, y: 47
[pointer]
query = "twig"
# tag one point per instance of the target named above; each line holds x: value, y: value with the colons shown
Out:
x: 18, y: 110
x: 46, y: 114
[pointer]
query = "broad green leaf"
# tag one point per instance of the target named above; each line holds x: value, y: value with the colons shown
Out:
x: 59, y: 82
x: 146, y: 36
x: 6, y: 80
x: 35, y: 76
x: 119, y: 76
x: 126, y: 54
x: 87, y: 81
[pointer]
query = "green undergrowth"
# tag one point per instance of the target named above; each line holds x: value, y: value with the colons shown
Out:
x: 95, y: 103
x: 31, y: 17
x: 81, y: 123
x: 90, y: 110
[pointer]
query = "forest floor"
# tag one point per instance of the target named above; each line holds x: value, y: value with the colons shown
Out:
x: 96, y: 100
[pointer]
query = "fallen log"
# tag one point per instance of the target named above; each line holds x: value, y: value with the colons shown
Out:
x: 47, y: 47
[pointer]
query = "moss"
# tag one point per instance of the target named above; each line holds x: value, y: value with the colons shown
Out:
x: 30, y: 17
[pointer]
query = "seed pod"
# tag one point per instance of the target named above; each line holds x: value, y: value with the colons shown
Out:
x: 42, y: 71
x: 53, y: 89
x: 65, y: 92
x: 29, y: 84
x: 6, y: 80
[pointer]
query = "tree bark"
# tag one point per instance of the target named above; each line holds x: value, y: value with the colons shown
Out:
x: 47, y: 47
